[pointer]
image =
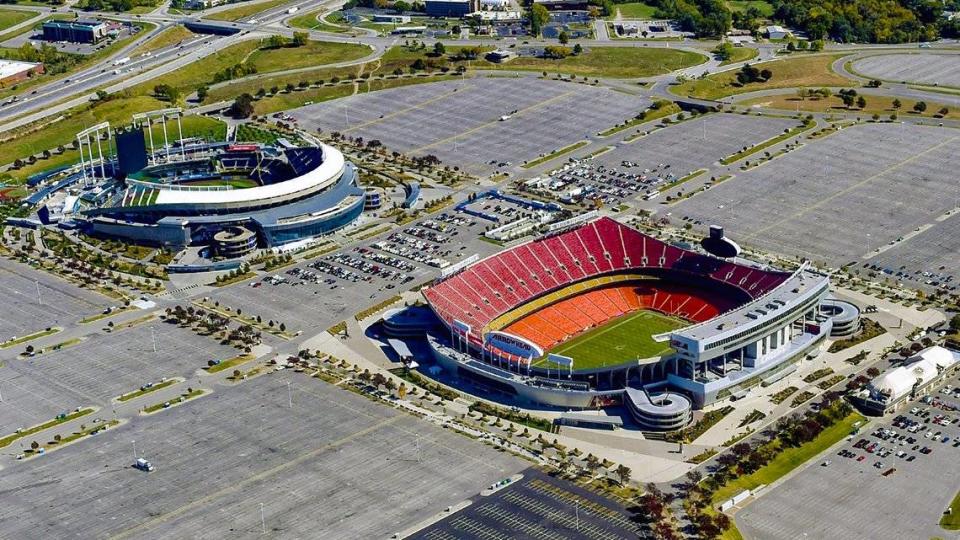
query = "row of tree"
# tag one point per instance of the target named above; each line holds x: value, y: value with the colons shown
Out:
x: 866, y: 21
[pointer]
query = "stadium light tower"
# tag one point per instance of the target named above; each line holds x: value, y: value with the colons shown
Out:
x: 83, y: 138
x: 162, y: 114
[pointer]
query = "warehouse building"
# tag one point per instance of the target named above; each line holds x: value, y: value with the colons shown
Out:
x: 13, y: 71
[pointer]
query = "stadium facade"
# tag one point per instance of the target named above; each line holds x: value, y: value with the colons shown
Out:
x: 743, y: 324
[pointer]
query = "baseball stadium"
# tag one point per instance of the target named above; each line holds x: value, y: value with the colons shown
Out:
x: 598, y: 313
x: 231, y: 196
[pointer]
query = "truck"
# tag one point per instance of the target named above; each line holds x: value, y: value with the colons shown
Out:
x: 293, y: 10
x: 143, y: 465
x: 121, y: 61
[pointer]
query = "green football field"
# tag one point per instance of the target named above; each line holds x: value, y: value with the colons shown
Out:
x: 620, y: 341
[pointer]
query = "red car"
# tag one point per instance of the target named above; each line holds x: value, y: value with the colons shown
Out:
x: 861, y: 458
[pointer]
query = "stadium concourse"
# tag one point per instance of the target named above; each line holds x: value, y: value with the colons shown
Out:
x: 596, y: 313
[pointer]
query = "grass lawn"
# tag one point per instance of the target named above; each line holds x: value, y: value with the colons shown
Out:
x: 951, y: 521
x: 623, y: 340
x: 117, y: 112
x: 10, y: 17
x: 807, y: 70
x: 789, y: 459
x: 244, y: 11
x: 740, y: 54
x: 314, y: 53
x: 882, y: 105
x: 633, y: 10
x: 615, y: 62
x: 165, y: 38
x: 765, y: 8
x: 311, y: 21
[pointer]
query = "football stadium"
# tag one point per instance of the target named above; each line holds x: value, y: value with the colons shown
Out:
x: 596, y: 313
x: 233, y: 197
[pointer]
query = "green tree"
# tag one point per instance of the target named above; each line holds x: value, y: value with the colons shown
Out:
x: 300, y: 39
x: 920, y: 106
x: 539, y: 16
x: 439, y: 49
x: 242, y: 106
x: 861, y: 102
x: 202, y: 92
x: 563, y: 38
x: 897, y: 104
x: 723, y: 51
x: 577, y: 51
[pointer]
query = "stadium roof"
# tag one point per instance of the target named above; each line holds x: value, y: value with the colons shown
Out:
x: 314, y: 180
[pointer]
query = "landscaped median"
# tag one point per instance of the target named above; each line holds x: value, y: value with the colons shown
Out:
x: 229, y: 363
x: 101, y: 316
x: 657, y: 110
x: 555, y: 154
x: 951, y: 521
x: 66, y: 417
x: 147, y: 389
x: 191, y: 393
x: 30, y: 337
x: 767, y: 143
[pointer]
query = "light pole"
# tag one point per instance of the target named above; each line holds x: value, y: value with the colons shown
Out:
x: 289, y: 396
x: 263, y: 522
x: 576, y: 510
x: 134, y: 443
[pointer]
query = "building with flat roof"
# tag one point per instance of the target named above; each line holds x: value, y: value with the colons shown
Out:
x: 563, y: 5
x: 78, y: 31
x: 14, y: 71
x: 777, y: 32
x: 451, y: 8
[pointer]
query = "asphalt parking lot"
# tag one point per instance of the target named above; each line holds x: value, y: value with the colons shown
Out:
x: 460, y: 121
x: 852, y: 498
x: 696, y: 143
x: 935, y: 69
x: 537, y: 506
x: 927, y: 259
x: 335, y: 465
x: 98, y: 369
x: 59, y: 303
x: 865, y: 188
x: 314, y: 295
